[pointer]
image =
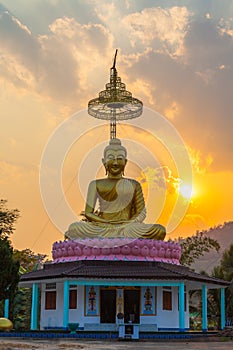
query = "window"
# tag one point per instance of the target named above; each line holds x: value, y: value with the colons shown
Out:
x: 50, y: 286
x: 73, y: 299
x: 167, y: 298
x: 50, y: 300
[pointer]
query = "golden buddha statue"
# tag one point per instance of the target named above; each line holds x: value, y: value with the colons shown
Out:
x: 121, y: 203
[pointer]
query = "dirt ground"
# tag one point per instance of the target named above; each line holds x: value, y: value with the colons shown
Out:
x: 37, y: 344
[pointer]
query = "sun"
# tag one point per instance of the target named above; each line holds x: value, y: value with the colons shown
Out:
x: 186, y: 190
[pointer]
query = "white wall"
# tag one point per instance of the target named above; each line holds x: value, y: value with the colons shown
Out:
x: 54, y: 318
x: 169, y: 318
x: 166, y: 318
x: 163, y: 318
x: 78, y: 315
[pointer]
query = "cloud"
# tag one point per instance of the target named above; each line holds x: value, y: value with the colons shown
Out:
x: 60, y: 64
x: 163, y: 28
x: 17, y: 40
x: 40, y: 14
x: 157, y: 27
x: 208, y: 44
x: 200, y: 83
x: 160, y: 178
x: 200, y: 163
x: 180, y: 64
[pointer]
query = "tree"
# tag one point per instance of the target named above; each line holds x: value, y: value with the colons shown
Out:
x: 9, y: 267
x: 8, y: 218
x: 9, y: 274
x: 14, y: 263
x: 225, y: 272
x: 29, y: 261
x: 195, y: 246
x: 227, y: 263
x: 191, y: 249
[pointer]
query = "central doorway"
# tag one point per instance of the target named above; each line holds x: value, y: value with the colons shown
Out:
x: 132, y: 305
x: 108, y: 306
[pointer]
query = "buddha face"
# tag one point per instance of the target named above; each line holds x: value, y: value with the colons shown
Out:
x: 115, y: 161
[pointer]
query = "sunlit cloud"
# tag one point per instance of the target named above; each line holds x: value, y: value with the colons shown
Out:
x: 144, y: 90
x: 172, y: 111
x: 225, y: 26
x: 13, y: 70
x: 158, y: 27
x: 202, y: 95
x: 200, y: 163
x: 160, y: 178
x: 60, y: 63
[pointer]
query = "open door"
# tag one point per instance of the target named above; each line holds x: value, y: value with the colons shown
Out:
x: 132, y: 305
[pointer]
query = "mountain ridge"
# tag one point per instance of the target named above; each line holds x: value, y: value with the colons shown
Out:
x: 223, y: 233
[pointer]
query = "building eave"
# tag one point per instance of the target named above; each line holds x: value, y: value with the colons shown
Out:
x: 119, y: 272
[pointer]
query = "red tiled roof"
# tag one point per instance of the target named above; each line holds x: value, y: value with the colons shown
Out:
x: 118, y: 270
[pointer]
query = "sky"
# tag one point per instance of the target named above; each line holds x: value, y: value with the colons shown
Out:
x: 175, y: 56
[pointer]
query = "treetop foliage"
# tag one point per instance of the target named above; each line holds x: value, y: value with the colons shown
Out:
x: 227, y: 263
x: 8, y: 218
x: 225, y: 269
x: 195, y: 246
x: 29, y: 261
x: 9, y: 269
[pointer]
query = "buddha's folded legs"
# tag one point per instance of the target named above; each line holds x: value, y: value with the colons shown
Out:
x: 132, y: 230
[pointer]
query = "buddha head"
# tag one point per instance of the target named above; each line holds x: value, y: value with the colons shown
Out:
x: 115, y: 158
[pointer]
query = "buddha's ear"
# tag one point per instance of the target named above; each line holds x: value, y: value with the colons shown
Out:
x: 105, y: 165
x: 124, y: 166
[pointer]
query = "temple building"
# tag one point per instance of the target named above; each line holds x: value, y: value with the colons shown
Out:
x: 102, y: 288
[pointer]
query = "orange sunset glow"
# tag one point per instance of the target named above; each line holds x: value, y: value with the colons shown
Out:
x: 174, y: 56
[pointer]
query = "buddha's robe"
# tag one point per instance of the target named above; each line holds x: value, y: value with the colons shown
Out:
x: 122, y: 206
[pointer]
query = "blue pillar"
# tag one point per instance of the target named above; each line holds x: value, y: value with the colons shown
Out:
x: 223, y: 316
x: 34, y: 310
x: 181, y: 308
x: 6, y: 308
x: 66, y: 304
x: 204, y: 308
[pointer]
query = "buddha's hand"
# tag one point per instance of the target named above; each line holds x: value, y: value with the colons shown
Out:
x: 120, y: 222
x: 113, y: 223
x: 99, y: 223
